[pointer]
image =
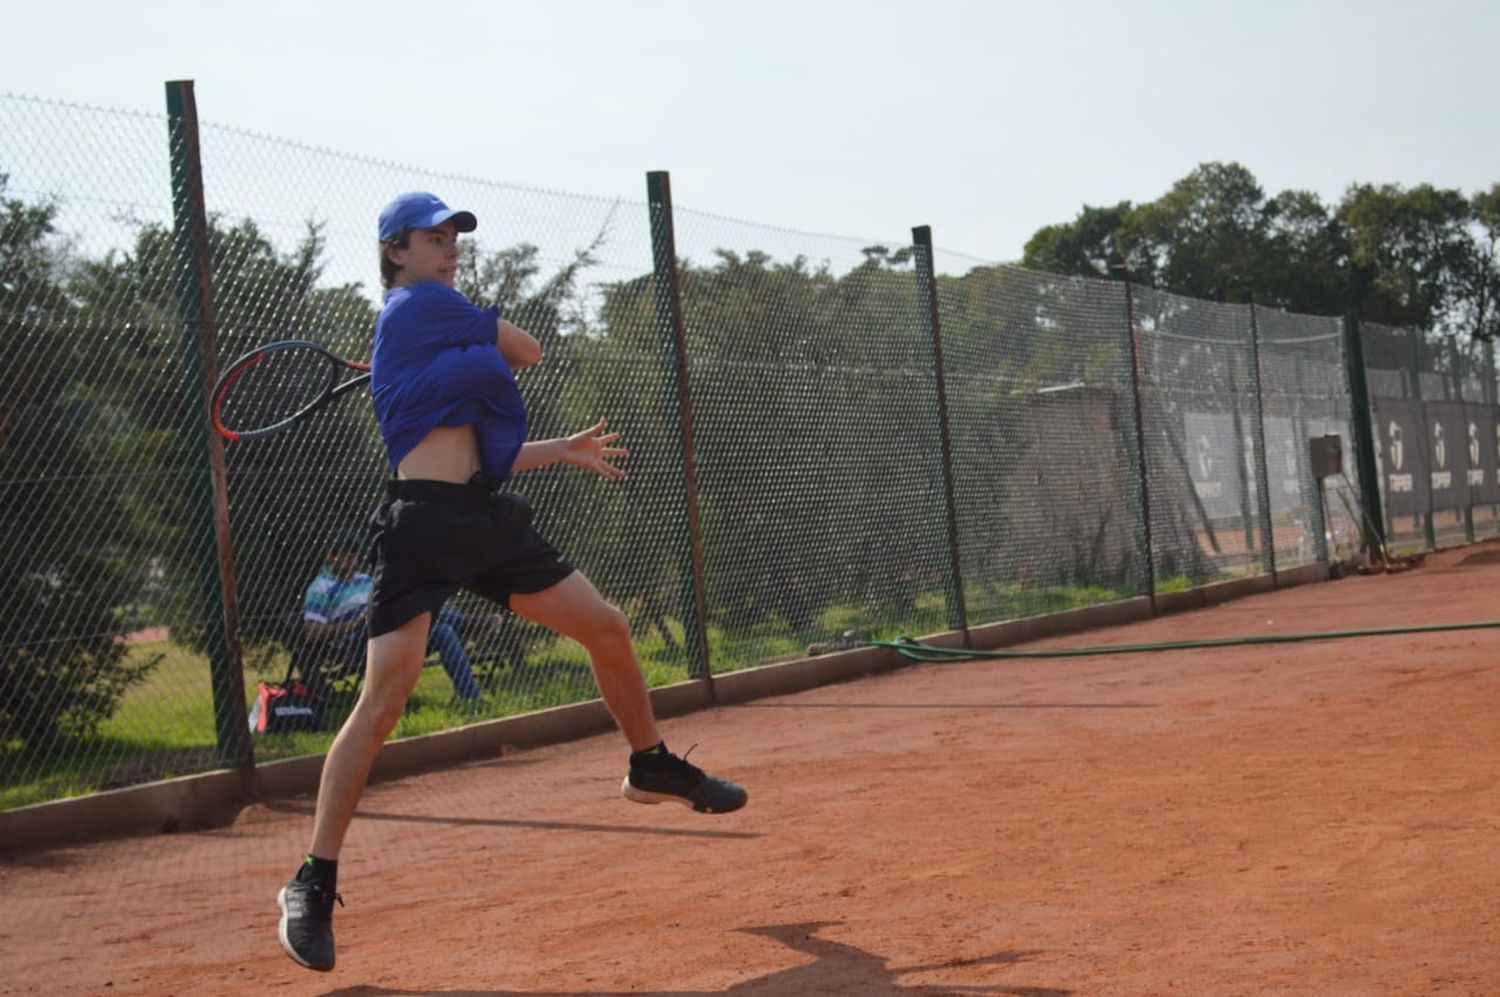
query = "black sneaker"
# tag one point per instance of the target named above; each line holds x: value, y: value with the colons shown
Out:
x: 669, y: 779
x: 306, y: 928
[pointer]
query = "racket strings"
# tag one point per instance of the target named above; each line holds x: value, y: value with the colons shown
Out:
x: 275, y: 387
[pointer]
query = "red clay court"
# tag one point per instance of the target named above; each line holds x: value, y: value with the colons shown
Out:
x: 1311, y: 818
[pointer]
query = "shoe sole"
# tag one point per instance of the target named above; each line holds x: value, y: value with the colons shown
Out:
x: 635, y: 795
x: 286, y: 945
x: 641, y: 796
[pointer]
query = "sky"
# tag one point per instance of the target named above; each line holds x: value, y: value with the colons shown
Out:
x: 984, y: 120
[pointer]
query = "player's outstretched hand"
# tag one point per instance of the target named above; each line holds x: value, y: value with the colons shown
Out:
x: 591, y: 450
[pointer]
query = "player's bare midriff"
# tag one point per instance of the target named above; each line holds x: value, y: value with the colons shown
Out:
x: 448, y: 453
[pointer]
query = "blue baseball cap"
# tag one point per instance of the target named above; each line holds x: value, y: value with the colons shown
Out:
x: 419, y: 209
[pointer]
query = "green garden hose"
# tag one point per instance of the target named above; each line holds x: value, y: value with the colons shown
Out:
x: 917, y: 651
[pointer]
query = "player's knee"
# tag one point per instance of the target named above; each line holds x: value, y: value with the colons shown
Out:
x: 611, y: 626
x: 381, y: 708
x: 381, y: 719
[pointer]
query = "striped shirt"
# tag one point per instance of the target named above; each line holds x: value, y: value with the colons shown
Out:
x: 331, y: 599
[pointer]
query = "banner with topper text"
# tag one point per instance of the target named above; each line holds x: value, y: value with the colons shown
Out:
x: 1483, y: 445
x: 1286, y: 462
x: 1401, y: 441
x: 1214, y: 460
x: 1448, y: 453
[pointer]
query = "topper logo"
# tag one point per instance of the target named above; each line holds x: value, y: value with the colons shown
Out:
x: 1398, y: 451
x: 1439, y: 448
x: 1473, y: 445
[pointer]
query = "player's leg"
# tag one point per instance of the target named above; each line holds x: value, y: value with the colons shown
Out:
x: 393, y: 666
x: 575, y: 609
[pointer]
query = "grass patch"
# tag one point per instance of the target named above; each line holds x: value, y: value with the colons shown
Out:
x: 165, y: 727
x: 997, y: 603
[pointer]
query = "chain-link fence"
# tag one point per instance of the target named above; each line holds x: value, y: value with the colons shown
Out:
x: 95, y: 423
x: 1045, y: 449
x: 1436, y: 436
x: 816, y: 434
x: 1197, y: 388
x: 574, y: 271
x: 1101, y: 441
x: 1305, y: 395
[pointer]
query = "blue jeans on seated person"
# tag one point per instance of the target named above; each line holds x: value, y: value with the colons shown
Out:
x: 442, y: 637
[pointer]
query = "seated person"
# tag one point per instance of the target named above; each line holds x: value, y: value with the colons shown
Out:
x: 333, y: 618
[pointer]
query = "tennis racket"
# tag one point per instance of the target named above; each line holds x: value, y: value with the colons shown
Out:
x: 277, y: 386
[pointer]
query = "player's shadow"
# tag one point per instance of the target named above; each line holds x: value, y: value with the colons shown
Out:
x: 837, y: 968
x: 544, y: 825
x: 951, y: 706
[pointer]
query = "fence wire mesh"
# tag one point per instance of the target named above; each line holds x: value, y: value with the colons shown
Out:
x: 1449, y: 393
x: 817, y: 440
x: 1041, y: 412
x: 816, y: 432
x: 93, y: 418
x: 1479, y: 388
x: 300, y: 261
x: 1202, y: 438
x: 1304, y: 395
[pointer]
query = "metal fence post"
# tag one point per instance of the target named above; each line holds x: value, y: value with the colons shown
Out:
x: 958, y: 614
x: 1137, y: 374
x: 1491, y: 387
x: 668, y: 287
x: 1455, y: 361
x: 1363, y: 426
x: 1237, y: 422
x: 1323, y: 548
x: 1429, y: 528
x: 1262, y: 472
x: 1487, y: 393
x: 219, y: 602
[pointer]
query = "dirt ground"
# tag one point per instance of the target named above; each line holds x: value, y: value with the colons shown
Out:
x: 1295, y: 818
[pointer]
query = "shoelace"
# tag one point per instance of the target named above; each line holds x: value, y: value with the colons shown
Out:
x: 325, y: 898
x: 697, y: 773
x: 692, y: 770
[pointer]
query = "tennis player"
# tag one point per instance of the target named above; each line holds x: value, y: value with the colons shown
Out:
x: 454, y: 427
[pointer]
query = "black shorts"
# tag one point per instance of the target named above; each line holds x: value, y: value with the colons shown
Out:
x: 433, y: 538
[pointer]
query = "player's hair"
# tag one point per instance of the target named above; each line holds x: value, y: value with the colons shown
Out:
x: 388, y: 270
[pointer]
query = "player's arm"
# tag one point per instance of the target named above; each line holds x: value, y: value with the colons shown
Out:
x: 519, y: 348
x: 589, y: 449
x: 439, y: 318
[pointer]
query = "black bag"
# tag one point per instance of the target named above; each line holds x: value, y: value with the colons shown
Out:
x: 285, y: 707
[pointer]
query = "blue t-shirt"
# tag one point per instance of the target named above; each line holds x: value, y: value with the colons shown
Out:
x: 436, y: 364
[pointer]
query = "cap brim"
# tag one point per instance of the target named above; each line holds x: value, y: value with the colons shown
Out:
x: 463, y: 221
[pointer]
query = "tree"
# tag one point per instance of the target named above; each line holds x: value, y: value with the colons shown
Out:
x: 1206, y: 237
x: 1088, y: 246
x: 1306, y: 254
x: 62, y: 525
x: 1419, y: 257
x: 1409, y: 250
x: 1479, y: 278
x: 287, y: 493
